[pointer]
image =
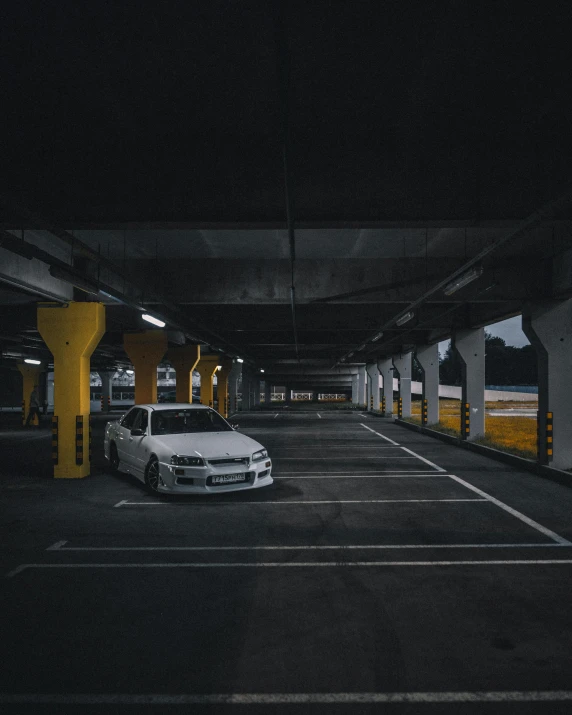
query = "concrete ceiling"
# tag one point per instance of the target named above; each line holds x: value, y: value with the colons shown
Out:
x: 146, y: 150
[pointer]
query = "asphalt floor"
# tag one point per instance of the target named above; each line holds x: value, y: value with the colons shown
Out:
x: 383, y: 571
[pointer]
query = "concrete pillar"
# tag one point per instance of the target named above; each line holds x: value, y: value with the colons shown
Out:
x: 206, y: 367
x: 355, y: 389
x: 222, y: 385
x: 374, y: 384
x: 470, y: 346
x: 145, y: 350
x: 385, y: 367
x: 267, y: 393
x: 71, y: 334
x: 288, y: 393
x: 548, y: 326
x: 234, y: 377
x: 428, y: 358
x: 106, y: 388
x: 402, y: 364
x: 30, y: 380
x: 362, y: 385
x: 184, y: 359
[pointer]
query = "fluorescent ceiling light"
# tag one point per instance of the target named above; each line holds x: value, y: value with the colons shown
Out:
x: 405, y: 318
x: 463, y: 280
x: 261, y: 370
x: 219, y: 367
x: 239, y: 360
x: 350, y: 354
x: 33, y: 362
x: 154, y: 321
x: 377, y: 336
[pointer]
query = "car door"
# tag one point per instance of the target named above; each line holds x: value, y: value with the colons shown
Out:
x: 138, y: 445
x: 124, y: 436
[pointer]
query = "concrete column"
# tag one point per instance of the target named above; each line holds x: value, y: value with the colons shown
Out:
x: 106, y: 388
x: 385, y: 367
x: 374, y: 384
x: 355, y: 389
x: 206, y: 367
x: 30, y: 380
x: 222, y: 385
x: 184, y: 359
x: 428, y: 358
x: 145, y: 350
x: 71, y: 334
x: 257, y: 390
x: 288, y: 393
x: 267, y: 393
x: 234, y: 377
x: 402, y: 364
x: 470, y: 346
x: 362, y: 385
x: 548, y: 326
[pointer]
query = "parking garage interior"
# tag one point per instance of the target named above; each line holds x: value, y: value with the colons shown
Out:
x: 284, y: 199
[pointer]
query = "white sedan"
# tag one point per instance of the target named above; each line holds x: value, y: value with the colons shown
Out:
x: 185, y: 449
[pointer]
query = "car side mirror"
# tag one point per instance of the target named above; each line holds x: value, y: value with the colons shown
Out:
x: 235, y: 426
x: 138, y: 433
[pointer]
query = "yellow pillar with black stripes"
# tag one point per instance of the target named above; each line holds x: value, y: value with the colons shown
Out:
x: 71, y: 332
x: 145, y: 350
x: 206, y: 368
x: 184, y: 359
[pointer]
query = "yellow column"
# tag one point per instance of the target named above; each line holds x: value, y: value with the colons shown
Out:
x: 222, y: 385
x: 30, y: 377
x: 145, y: 350
x: 71, y: 333
x: 184, y: 360
x: 207, y: 367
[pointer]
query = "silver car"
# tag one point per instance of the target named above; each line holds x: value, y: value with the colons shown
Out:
x: 185, y: 449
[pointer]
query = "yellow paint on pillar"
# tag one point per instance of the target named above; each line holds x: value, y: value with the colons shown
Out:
x: 184, y: 359
x: 71, y: 332
x: 206, y: 368
x: 222, y: 385
x: 145, y: 350
x: 30, y: 377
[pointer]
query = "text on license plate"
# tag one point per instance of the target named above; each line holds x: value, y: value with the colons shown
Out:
x: 228, y: 478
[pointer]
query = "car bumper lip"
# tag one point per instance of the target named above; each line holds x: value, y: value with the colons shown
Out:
x: 201, y: 475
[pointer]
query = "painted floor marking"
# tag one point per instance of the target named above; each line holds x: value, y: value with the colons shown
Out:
x: 405, y: 475
x: 312, y: 547
x: 319, y: 415
x: 337, y: 459
x: 431, y: 464
x: 481, y: 696
x: 534, y: 524
x: 380, y: 435
x: 276, y: 415
x: 301, y: 501
x: 293, y: 564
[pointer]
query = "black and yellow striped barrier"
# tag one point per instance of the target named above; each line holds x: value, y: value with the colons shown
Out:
x: 465, y: 420
x: 371, y: 402
x: 54, y: 440
x: 549, y: 436
x: 400, y: 407
x: 79, y: 440
x: 383, y: 404
x: 424, y: 412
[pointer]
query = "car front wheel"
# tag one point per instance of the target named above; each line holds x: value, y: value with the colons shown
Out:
x: 152, y: 478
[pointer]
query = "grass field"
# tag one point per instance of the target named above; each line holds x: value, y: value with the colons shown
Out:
x: 510, y: 434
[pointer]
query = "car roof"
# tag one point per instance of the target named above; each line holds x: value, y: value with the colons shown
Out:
x: 174, y: 406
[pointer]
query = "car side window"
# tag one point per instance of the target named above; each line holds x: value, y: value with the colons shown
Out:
x: 141, y: 421
x: 129, y: 419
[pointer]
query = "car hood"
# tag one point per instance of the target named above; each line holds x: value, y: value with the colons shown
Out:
x: 208, y: 444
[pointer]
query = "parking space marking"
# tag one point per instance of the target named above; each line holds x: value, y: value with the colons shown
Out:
x: 312, y: 547
x: 292, y: 501
x: 431, y: 464
x: 337, y: 459
x: 319, y: 415
x: 294, y: 564
x: 514, y: 512
x: 380, y: 435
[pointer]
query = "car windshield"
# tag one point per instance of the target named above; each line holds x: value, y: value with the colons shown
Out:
x: 183, y: 421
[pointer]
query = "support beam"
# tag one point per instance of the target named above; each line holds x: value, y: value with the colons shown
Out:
x: 402, y: 364
x: 428, y: 357
x: 106, y: 388
x: 145, y: 350
x: 470, y: 346
x: 385, y: 367
x: 548, y: 326
x: 30, y: 380
x: 72, y: 333
x: 374, y: 386
x: 184, y: 359
x: 206, y: 368
x: 234, y: 378
x: 267, y: 392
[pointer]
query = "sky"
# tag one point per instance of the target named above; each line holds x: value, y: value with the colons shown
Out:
x: 509, y: 330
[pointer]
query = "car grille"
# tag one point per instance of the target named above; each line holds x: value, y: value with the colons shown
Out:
x: 229, y: 460
x: 185, y: 481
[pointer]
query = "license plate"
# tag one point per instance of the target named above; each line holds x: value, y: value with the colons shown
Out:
x: 229, y: 478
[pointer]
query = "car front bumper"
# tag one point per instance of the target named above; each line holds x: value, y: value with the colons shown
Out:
x: 198, y: 480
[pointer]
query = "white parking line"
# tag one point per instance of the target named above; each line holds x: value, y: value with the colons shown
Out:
x: 276, y: 415
x: 338, y: 459
x: 431, y: 464
x: 383, y: 475
x: 319, y: 415
x: 379, y: 434
x: 299, y: 501
x: 514, y: 512
x: 312, y: 547
x: 293, y: 564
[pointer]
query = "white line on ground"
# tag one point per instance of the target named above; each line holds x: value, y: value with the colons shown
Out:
x: 338, y: 459
x: 514, y: 512
x: 300, y: 564
x: 276, y: 415
x: 405, y: 475
x: 313, y: 547
x: 431, y: 464
x: 301, y: 501
x: 379, y: 434
x: 486, y: 696
x: 319, y: 415
x: 362, y: 471
x: 58, y: 545
x: 120, y: 503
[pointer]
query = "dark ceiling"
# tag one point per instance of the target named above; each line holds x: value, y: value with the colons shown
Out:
x: 417, y: 135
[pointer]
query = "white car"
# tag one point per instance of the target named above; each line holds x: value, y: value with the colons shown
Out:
x: 185, y: 449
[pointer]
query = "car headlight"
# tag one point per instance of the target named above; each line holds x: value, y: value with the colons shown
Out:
x: 182, y: 461
x: 261, y: 454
